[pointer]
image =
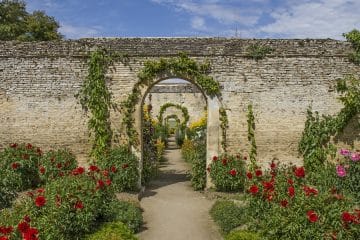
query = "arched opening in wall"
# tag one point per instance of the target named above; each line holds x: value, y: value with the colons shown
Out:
x: 174, y: 130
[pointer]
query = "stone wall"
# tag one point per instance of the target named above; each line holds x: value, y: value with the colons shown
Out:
x: 38, y: 82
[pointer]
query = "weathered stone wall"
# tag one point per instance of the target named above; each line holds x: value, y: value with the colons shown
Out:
x: 186, y: 95
x: 38, y: 82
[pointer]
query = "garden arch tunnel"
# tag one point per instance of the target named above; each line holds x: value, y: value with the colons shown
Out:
x: 213, y: 146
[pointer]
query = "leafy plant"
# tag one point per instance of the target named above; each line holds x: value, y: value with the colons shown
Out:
x: 224, y: 125
x: 227, y: 215
x: 112, y: 231
x: 242, y: 235
x: 121, y: 165
x: 251, y: 136
x: 258, y: 52
x: 227, y: 172
x: 354, y: 38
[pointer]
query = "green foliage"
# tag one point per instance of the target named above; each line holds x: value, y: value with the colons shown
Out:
x: 227, y: 172
x: 124, y: 212
x: 242, y: 235
x: 179, y: 136
x: 178, y: 106
x: 315, y: 143
x: 55, y: 164
x: 227, y: 215
x: 251, y: 136
x: 354, y: 38
x: 258, y: 52
x: 122, y: 167
x: 8, y: 181
x: 224, y: 125
x: 17, y: 24
x: 181, y: 67
x: 95, y: 97
x: 112, y: 231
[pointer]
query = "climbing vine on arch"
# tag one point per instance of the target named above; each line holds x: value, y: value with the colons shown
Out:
x: 182, y: 67
x: 178, y: 106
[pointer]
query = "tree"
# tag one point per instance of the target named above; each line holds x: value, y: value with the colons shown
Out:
x: 17, y: 24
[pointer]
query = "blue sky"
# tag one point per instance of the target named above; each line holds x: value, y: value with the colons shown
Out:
x: 202, y: 18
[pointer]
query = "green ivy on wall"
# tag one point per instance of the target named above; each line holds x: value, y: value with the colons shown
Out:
x: 177, y: 106
x: 251, y: 136
x: 224, y: 125
x: 181, y: 67
x: 354, y: 38
x: 258, y: 52
x: 315, y: 143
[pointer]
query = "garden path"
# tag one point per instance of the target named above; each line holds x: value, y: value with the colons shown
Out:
x: 172, y: 209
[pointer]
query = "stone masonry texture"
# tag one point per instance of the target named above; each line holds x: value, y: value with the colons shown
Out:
x: 39, y: 81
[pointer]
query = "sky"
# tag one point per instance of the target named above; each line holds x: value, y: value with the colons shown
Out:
x: 202, y: 18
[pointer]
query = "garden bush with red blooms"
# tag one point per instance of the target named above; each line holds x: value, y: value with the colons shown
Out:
x: 227, y: 172
x: 54, y: 164
x: 283, y: 205
x: 122, y: 167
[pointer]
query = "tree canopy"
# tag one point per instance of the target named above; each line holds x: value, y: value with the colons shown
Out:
x: 17, y: 24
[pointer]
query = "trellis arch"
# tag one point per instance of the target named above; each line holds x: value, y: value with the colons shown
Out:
x: 155, y: 71
x: 183, y: 109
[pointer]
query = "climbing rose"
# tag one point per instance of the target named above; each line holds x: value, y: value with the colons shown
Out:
x: 299, y: 172
x: 284, y: 203
x: 23, y: 227
x: 42, y: 170
x: 40, y: 201
x: 79, y: 205
x: 272, y: 165
x: 94, y: 168
x: 108, y: 182
x: 27, y: 218
x: 78, y: 171
x: 30, y: 234
x: 290, y: 181
x: 249, y: 175
x: 268, y: 186
x: 215, y: 158
x: 232, y: 172
x: 254, y: 189
x: 113, y: 169
x: 291, y: 191
x: 258, y: 172
x: 100, y: 184
x: 4, y: 238
x: 340, y: 170
x: 312, y: 216
x: 6, y: 230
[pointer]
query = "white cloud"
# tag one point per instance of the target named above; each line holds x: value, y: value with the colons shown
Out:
x: 198, y: 23
x: 321, y: 19
x: 74, y: 32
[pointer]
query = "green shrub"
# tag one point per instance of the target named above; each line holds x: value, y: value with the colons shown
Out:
x: 227, y: 215
x: 122, y: 167
x: 23, y: 160
x: 8, y: 182
x: 242, y: 235
x: 179, y: 136
x: 55, y: 164
x: 198, y: 168
x: 228, y: 173
x: 112, y: 231
x: 124, y: 212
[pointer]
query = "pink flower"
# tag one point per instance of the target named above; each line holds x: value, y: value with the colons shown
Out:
x: 355, y: 156
x: 344, y: 152
x: 340, y: 170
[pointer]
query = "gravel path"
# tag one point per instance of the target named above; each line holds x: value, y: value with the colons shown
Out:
x: 172, y: 209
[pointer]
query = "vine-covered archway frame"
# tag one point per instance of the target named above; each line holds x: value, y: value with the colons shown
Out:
x: 155, y: 71
x: 183, y: 109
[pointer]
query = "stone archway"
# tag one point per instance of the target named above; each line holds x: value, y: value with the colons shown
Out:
x: 213, y: 133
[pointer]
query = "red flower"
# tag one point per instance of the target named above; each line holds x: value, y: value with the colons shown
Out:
x: 40, y: 201
x: 100, y: 184
x: 106, y: 173
x: 254, y: 189
x: 30, y: 234
x: 13, y: 145
x: 291, y: 191
x: 6, y: 230
x: 249, y: 175
x: 310, y: 191
x: 312, y: 216
x: 269, y: 197
x: 57, y: 200
x: 39, y: 152
x: 208, y: 169
x: 258, y: 172
x: 23, y: 227
x: 61, y: 174
x: 272, y: 165
x: 215, y: 158
x: 299, y: 172
x: 290, y: 181
x: 4, y: 238
x: 347, y: 217
x: 29, y: 146
x: 78, y: 171
x: 284, y: 203
x: 224, y: 162
x: 94, y: 168
x: 15, y: 165
x: 40, y: 190
x: 113, y: 169
x: 27, y: 219
x: 42, y: 170
x: 232, y: 172
x: 268, y: 186
x: 108, y: 182
x: 59, y: 165
x: 79, y: 205
x: 125, y: 165
x: 245, y: 158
